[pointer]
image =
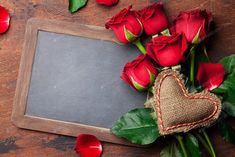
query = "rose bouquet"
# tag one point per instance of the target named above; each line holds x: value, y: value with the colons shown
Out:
x: 187, y: 93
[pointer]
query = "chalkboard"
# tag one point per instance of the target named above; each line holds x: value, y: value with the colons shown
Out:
x: 69, y: 81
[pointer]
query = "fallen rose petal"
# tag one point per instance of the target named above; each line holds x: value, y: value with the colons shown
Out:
x: 210, y: 75
x: 107, y: 2
x: 4, y: 20
x: 88, y: 146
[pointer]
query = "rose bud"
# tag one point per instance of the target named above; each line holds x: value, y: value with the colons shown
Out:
x: 107, y: 2
x: 210, y: 75
x: 140, y: 73
x: 153, y: 19
x: 194, y: 24
x: 168, y: 50
x: 126, y: 26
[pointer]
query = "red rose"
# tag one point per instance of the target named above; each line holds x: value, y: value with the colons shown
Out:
x: 210, y: 75
x: 167, y: 50
x: 107, y: 2
x: 191, y: 23
x: 140, y: 73
x: 4, y: 20
x: 126, y: 26
x: 153, y: 19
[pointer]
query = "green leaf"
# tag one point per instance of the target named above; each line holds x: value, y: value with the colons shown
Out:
x: 75, y: 5
x: 229, y: 95
x: 229, y: 80
x: 229, y: 63
x: 227, y: 88
x: 229, y: 102
x: 171, y: 150
x: 192, y: 146
x: 229, y: 108
x: 137, y: 126
x: 226, y: 131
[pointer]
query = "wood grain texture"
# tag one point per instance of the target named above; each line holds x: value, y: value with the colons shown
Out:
x: 16, y: 142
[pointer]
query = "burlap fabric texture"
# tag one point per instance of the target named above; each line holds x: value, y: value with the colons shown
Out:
x: 177, y: 110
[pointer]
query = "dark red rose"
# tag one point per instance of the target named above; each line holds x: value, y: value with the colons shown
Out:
x: 4, y: 20
x: 88, y: 146
x: 126, y: 26
x: 139, y: 73
x: 168, y: 50
x: 153, y: 19
x: 210, y: 75
x: 107, y: 2
x: 191, y: 23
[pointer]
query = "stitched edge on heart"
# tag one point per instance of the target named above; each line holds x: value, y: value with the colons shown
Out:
x: 183, y: 127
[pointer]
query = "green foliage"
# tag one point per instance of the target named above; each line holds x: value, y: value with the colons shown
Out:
x: 229, y: 80
x: 229, y: 63
x: 192, y: 146
x: 171, y: 150
x: 227, y: 88
x: 75, y: 5
x: 137, y: 126
x: 229, y: 102
x: 226, y: 131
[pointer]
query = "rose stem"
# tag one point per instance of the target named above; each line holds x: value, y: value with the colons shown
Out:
x: 192, y: 64
x: 205, y: 52
x: 140, y: 46
x: 204, y: 144
x: 209, y: 143
x: 180, y: 140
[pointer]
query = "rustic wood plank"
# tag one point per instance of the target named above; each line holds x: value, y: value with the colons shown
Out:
x: 16, y: 142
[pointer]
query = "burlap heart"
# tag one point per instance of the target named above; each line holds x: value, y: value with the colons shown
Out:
x: 177, y: 109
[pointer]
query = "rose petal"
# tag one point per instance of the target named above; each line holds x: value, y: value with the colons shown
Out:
x: 88, y: 146
x: 153, y: 18
x: 210, y: 75
x: 191, y: 23
x: 4, y: 20
x: 107, y: 2
x: 168, y: 50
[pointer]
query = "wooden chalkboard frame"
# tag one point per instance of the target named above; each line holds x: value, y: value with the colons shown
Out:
x: 19, y: 118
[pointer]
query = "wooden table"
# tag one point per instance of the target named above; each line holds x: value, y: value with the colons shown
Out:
x: 16, y: 142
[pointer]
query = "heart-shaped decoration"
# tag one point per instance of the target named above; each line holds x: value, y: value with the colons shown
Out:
x: 177, y: 109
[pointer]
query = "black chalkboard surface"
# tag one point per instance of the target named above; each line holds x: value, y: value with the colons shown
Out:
x: 70, y: 76
x: 76, y: 79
